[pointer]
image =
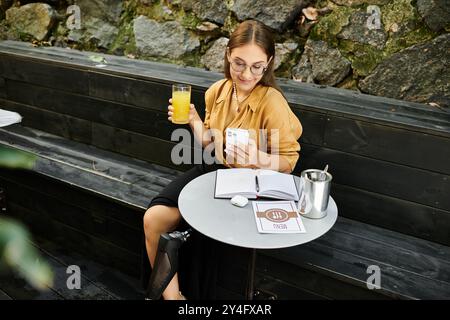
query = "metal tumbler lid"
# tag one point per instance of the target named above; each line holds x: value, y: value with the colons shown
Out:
x: 316, y: 175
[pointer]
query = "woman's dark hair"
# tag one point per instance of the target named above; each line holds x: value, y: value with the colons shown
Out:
x: 248, y: 32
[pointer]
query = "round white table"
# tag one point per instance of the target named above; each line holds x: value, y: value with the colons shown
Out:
x: 224, y: 222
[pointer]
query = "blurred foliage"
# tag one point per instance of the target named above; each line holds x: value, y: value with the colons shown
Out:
x: 16, y: 159
x: 16, y: 250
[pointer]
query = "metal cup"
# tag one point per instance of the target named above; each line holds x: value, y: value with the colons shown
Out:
x: 316, y: 192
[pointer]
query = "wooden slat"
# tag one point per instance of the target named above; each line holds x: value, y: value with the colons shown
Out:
x: 92, y: 247
x: 383, y: 177
x: 313, y: 124
x: 45, y: 74
x: 103, y: 276
x: 232, y: 275
x: 116, y: 65
x: 4, y: 295
x: 117, y: 284
x: 77, y: 197
x: 145, y: 94
x: 137, y: 146
x: 281, y: 290
x: 88, y: 290
x: 390, y: 238
x: 92, y: 223
x: 52, y: 147
x: 16, y: 288
x: 423, y: 264
x: 324, y: 286
x: 140, y: 120
x: 52, y: 122
x: 395, y: 282
x: 383, y: 142
x: 388, y: 212
x: 364, y: 101
x: 102, y: 186
x: 113, y: 139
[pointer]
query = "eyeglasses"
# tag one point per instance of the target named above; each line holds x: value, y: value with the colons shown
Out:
x: 257, y: 70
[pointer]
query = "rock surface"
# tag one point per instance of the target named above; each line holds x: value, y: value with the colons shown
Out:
x: 211, y: 10
x: 275, y: 14
x: 99, y: 22
x: 213, y: 58
x: 34, y: 19
x: 167, y: 39
x: 322, y: 64
x: 419, y: 73
x: 436, y: 13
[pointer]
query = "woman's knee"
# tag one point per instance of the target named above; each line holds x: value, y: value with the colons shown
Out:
x: 160, y: 218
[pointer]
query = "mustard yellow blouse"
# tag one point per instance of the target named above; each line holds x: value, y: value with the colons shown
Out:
x: 265, y: 109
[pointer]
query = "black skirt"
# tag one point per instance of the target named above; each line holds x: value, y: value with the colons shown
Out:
x: 198, y: 256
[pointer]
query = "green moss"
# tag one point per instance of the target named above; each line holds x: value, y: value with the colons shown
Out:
x: 230, y: 24
x: 124, y: 40
x: 188, y: 20
x: 192, y: 59
x: 125, y: 37
x: 364, y: 58
x: 154, y: 11
x: 129, y: 11
x: 90, y: 45
x: 285, y: 69
x: 329, y: 26
x: 400, y: 12
x: 402, y: 15
x: 60, y: 30
x: 419, y: 35
x: 3, y: 30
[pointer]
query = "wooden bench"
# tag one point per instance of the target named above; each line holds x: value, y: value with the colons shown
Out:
x: 104, y: 145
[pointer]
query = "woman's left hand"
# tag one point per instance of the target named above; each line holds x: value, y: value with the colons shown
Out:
x: 245, y: 155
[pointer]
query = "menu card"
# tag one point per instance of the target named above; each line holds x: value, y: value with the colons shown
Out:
x: 277, y: 217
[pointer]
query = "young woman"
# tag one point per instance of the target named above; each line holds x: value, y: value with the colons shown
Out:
x: 248, y: 98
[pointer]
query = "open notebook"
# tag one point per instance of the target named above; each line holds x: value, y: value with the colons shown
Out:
x: 254, y: 183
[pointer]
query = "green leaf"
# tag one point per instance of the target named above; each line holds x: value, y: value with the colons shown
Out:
x: 98, y: 59
x: 18, y: 252
x: 14, y: 158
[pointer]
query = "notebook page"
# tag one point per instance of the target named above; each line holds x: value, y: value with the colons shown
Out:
x: 235, y: 181
x: 276, y: 183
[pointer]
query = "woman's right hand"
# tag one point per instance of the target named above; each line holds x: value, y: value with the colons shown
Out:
x: 192, y: 112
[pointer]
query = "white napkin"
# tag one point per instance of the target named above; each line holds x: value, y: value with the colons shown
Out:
x: 8, y: 117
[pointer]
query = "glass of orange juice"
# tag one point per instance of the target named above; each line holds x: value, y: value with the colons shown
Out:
x: 181, y: 101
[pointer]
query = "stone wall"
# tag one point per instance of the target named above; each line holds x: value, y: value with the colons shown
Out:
x: 393, y: 48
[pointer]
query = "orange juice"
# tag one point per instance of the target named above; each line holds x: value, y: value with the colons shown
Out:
x: 181, y: 99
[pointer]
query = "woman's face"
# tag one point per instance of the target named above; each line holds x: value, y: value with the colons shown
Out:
x: 249, y: 55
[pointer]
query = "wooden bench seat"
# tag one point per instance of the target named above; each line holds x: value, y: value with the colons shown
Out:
x: 411, y: 268
x: 85, y: 197
x: 104, y: 146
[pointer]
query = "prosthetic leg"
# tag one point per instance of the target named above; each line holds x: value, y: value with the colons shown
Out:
x: 166, y: 262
